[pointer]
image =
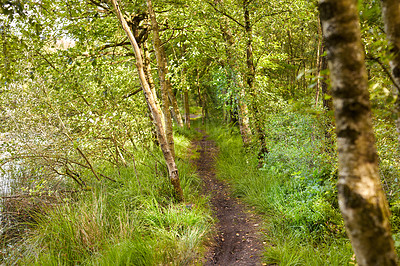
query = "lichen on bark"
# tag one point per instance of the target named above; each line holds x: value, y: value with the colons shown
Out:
x: 361, y: 198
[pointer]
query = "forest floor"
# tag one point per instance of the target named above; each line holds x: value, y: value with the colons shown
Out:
x: 238, y: 229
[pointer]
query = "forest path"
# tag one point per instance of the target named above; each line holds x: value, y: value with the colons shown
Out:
x: 237, y: 239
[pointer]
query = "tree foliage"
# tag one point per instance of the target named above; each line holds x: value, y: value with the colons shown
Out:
x: 71, y: 103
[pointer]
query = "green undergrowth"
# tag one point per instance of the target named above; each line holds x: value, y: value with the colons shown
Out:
x: 294, y: 190
x: 133, y: 221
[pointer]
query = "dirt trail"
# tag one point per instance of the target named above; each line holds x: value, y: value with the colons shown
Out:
x: 238, y: 229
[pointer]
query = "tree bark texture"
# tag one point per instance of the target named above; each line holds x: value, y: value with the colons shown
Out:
x: 162, y: 65
x: 162, y: 71
x: 149, y: 78
x: 175, y: 108
x: 361, y: 199
x: 250, y: 76
x: 391, y: 18
x: 327, y: 104
x: 318, y: 63
x: 169, y: 159
x: 244, y: 123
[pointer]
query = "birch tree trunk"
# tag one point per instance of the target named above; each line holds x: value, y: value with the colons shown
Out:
x: 391, y: 18
x: 318, y: 64
x: 175, y: 108
x: 244, y: 123
x: 169, y: 158
x: 149, y: 78
x: 162, y: 69
x: 361, y: 199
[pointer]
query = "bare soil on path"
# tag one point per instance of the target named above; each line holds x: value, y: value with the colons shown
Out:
x: 237, y: 239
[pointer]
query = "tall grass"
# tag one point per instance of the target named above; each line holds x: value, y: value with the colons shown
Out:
x: 134, y: 221
x: 294, y: 191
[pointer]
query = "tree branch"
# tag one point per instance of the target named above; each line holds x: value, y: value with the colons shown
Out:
x: 387, y: 72
x: 225, y: 14
x: 269, y: 15
x: 132, y: 93
x: 123, y: 43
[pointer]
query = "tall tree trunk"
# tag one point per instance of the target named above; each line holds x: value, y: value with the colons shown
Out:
x: 244, y: 123
x: 149, y: 78
x: 318, y: 63
x: 169, y: 132
x: 361, y: 198
x: 250, y: 76
x: 162, y: 71
x: 391, y: 18
x: 169, y: 158
x: 162, y: 66
x: 175, y: 108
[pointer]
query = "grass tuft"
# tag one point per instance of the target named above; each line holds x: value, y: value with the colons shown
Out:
x: 134, y: 221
